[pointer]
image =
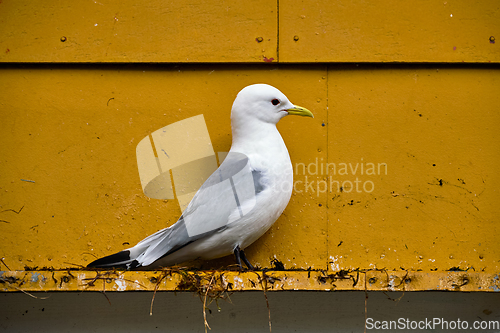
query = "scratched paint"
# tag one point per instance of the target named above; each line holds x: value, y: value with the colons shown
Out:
x: 235, y: 281
x: 111, y: 212
x: 433, y: 126
x: 429, y: 152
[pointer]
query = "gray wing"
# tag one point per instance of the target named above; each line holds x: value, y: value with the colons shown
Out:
x: 225, y: 197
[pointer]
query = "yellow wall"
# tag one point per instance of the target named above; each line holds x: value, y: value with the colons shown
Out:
x: 253, y: 31
x: 69, y: 131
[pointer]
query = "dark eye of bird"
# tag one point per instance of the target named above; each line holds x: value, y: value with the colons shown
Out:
x: 275, y: 101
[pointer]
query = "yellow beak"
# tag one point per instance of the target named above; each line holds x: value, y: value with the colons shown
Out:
x: 300, y: 111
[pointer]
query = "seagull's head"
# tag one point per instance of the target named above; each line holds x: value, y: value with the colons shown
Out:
x: 264, y: 103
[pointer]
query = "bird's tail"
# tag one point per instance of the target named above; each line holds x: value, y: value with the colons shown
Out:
x: 133, y: 257
x: 120, y: 260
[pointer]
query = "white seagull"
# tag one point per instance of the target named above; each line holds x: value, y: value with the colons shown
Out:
x: 239, y: 202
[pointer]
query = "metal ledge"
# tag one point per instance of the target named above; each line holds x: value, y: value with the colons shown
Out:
x: 222, y: 281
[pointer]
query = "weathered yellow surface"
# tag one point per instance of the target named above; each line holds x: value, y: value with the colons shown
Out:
x: 389, y: 31
x: 435, y: 206
x: 121, y: 31
x: 216, y: 282
x: 69, y: 158
x: 235, y: 31
x: 70, y: 187
x: 396, y: 177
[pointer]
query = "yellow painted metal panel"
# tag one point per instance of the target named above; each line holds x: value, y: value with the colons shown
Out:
x: 435, y: 204
x: 70, y: 188
x: 129, y: 31
x: 69, y: 158
x: 389, y: 31
x: 232, y: 31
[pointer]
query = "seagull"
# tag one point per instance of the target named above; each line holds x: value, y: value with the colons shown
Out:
x: 239, y: 202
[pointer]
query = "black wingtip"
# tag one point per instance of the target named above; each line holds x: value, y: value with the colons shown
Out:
x: 112, y: 261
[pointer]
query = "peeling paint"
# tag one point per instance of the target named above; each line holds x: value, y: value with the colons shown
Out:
x: 34, y: 276
x: 495, y: 288
x: 334, y: 266
x: 258, y: 280
x: 238, y: 283
x: 122, y: 286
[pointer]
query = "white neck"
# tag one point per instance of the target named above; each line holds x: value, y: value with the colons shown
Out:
x: 255, y: 135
